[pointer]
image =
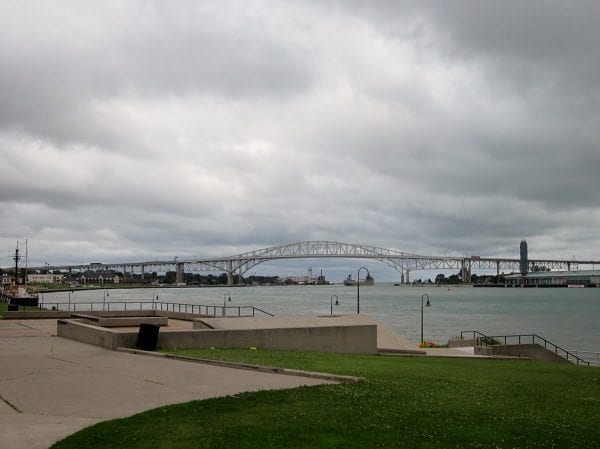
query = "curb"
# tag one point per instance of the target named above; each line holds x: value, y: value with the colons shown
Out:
x: 259, y: 368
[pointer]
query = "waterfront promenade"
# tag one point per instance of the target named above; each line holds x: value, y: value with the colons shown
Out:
x: 51, y: 387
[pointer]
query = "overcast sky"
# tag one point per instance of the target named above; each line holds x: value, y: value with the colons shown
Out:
x: 153, y: 129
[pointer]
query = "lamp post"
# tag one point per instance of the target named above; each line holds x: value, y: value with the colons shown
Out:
x: 358, y: 288
x: 427, y: 304
x: 337, y: 303
x: 104, y: 299
x: 226, y: 297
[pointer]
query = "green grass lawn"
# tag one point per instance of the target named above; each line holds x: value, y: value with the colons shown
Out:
x: 405, y: 402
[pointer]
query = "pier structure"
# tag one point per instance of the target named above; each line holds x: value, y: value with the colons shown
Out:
x: 405, y: 263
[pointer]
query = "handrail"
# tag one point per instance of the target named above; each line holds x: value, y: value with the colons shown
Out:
x: 471, y: 332
x: 205, y: 310
x: 491, y: 340
x: 592, y: 357
x: 478, y: 336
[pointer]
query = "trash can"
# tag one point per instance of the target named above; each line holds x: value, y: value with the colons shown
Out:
x: 147, y: 337
x: 13, y: 307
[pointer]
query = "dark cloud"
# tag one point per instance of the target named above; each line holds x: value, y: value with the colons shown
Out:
x: 147, y: 129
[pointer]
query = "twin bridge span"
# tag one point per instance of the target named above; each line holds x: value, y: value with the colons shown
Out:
x: 403, y: 262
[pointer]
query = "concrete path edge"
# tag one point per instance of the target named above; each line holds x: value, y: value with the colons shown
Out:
x: 245, y: 366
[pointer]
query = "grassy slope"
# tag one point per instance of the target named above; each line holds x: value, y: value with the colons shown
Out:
x: 405, y: 402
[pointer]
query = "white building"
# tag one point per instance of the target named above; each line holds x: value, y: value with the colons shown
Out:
x: 46, y: 278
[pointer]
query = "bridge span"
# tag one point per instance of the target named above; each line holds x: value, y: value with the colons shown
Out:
x: 401, y: 261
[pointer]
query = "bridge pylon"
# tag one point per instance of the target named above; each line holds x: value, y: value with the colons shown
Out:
x: 179, y: 273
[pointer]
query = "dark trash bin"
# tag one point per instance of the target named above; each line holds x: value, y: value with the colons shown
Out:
x: 13, y: 307
x: 147, y: 337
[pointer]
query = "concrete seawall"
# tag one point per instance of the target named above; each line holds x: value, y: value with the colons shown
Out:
x: 353, y: 339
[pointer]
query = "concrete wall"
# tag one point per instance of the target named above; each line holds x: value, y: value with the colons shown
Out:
x: 94, y: 335
x: 356, y: 339
x: 461, y: 343
x: 534, y: 351
x: 43, y: 314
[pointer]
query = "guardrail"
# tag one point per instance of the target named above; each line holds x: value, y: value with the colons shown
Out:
x: 593, y: 358
x: 478, y: 337
x: 492, y: 340
x: 199, y: 309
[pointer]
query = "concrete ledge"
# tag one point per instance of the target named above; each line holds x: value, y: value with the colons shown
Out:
x: 95, y: 335
x: 41, y: 315
x: 356, y: 339
x: 461, y: 343
x: 124, y: 321
x: 351, y: 339
x: 245, y: 366
x: 527, y: 350
x: 400, y: 351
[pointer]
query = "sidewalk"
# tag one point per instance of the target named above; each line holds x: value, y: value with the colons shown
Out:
x: 51, y: 387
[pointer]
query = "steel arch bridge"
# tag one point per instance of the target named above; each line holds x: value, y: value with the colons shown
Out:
x: 401, y: 261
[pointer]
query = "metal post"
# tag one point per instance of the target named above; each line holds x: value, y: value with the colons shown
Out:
x: 358, y: 288
x: 428, y: 304
x: 337, y: 303
x: 226, y: 297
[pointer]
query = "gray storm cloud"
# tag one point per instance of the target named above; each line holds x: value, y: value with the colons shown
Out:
x: 148, y: 129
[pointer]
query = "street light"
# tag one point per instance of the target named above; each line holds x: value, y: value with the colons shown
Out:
x: 337, y: 303
x: 226, y: 297
x: 427, y: 304
x: 358, y: 288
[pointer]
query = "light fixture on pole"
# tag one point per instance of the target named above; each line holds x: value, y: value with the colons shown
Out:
x: 427, y: 304
x: 358, y: 288
x: 337, y: 303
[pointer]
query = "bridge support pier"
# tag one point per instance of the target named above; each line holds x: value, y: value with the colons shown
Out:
x: 179, y: 274
x: 229, y: 278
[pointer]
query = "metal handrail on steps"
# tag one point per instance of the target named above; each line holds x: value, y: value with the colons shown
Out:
x: 481, y: 339
x: 592, y: 357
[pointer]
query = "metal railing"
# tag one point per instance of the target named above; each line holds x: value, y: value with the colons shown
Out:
x: 198, y: 309
x: 592, y: 357
x: 492, y: 340
x: 477, y: 337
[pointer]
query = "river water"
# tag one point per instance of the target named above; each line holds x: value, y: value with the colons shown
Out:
x: 568, y: 317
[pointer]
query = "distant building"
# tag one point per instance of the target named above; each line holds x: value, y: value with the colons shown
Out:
x: 45, y: 278
x: 583, y: 278
x: 99, y: 277
x: 524, y: 260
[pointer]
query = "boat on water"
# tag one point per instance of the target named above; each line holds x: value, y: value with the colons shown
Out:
x: 368, y: 281
x: 16, y: 293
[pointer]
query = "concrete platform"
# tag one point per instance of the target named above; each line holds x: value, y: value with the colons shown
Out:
x: 51, y: 387
x: 386, y: 337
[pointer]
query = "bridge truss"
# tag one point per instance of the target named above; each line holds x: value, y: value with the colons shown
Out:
x: 401, y: 261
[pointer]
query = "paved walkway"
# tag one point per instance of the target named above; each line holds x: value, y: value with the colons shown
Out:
x: 51, y: 387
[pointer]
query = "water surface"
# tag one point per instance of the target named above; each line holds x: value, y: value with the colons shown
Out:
x: 568, y: 317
